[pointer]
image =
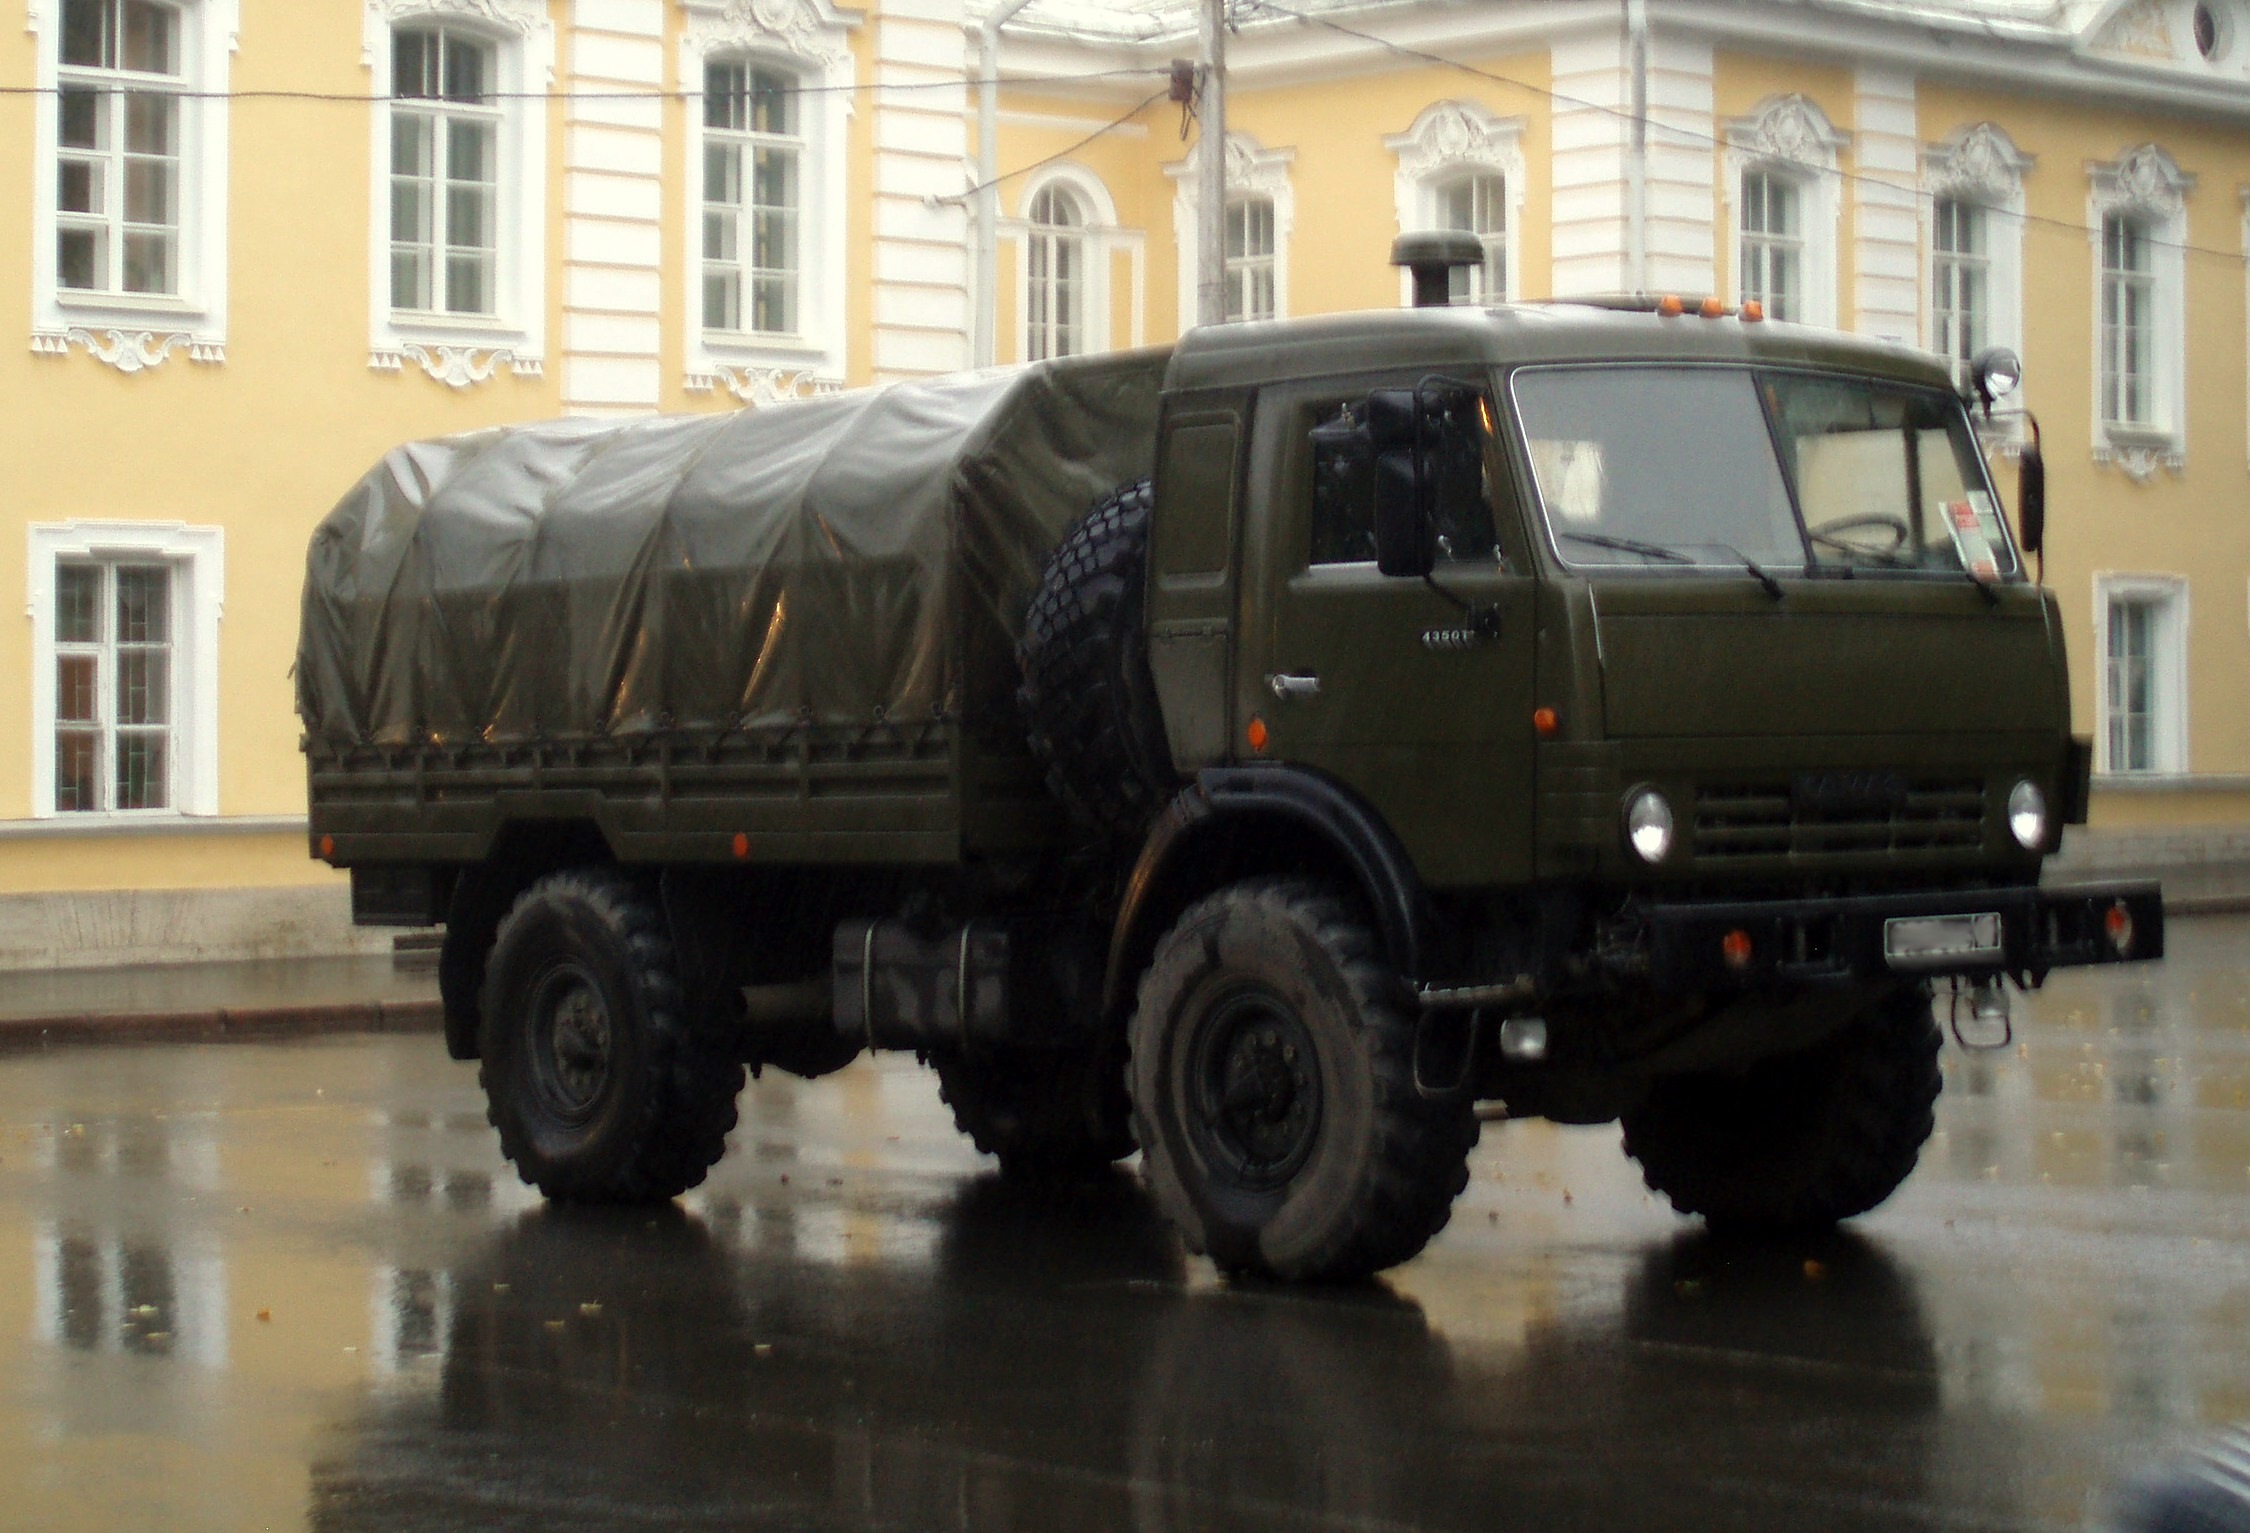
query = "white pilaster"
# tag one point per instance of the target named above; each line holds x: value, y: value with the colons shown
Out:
x: 1682, y: 209
x: 921, y: 299
x: 1591, y: 142
x: 613, y: 207
x: 1886, y: 222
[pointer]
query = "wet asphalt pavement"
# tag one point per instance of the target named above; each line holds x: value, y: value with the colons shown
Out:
x: 292, y: 1285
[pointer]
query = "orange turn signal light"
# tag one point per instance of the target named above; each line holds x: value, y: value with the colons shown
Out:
x: 327, y: 848
x: 1735, y: 948
x: 1257, y: 734
x: 1546, y: 721
x: 1752, y: 311
x: 1670, y: 306
x: 741, y: 844
x: 2117, y: 925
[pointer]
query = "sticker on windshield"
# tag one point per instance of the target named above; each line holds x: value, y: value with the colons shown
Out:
x: 1975, y: 525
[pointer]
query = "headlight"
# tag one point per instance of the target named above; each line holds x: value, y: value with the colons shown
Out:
x: 1648, y: 825
x: 2027, y: 815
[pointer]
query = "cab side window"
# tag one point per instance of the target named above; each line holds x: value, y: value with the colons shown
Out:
x: 1455, y: 464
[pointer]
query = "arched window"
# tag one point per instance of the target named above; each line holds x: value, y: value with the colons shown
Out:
x: 1055, y: 289
x: 753, y: 198
x: 445, y: 171
x: 1478, y: 205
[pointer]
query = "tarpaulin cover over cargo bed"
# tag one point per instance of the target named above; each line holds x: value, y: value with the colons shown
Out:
x: 834, y: 561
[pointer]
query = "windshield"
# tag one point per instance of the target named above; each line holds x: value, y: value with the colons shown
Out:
x: 1676, y: 467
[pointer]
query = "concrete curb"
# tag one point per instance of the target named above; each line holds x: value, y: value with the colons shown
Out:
x: 218, y: 1025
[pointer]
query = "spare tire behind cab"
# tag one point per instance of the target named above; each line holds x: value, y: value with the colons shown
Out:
x: 1088, y: 699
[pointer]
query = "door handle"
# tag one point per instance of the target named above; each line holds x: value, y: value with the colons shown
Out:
x: 1286, y: 687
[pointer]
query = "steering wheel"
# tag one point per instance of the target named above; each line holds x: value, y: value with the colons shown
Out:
x: 1831, y: 533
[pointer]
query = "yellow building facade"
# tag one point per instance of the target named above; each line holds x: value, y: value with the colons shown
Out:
x: 261, y: 243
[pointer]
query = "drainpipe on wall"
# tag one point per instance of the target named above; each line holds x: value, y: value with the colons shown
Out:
x: 982, y: 346
x: 1636, y: 158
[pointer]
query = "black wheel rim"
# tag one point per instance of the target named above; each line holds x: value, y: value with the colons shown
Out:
x: 1253, y: 1082
x: 572, y: 1042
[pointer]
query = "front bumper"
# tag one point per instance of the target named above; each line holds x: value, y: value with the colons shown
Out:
x: 1704, y: 946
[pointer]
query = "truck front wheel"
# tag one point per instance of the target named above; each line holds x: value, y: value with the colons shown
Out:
x: 1800, y: 1141
x: 1274, y: 1095
x: 600, y: 1090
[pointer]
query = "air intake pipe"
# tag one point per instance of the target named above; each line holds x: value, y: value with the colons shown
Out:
x: 1431, y: 254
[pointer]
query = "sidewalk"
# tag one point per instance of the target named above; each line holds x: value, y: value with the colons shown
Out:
x: 203, y: 1001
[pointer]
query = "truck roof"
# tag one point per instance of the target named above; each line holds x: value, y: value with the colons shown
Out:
x: 1239, y: 355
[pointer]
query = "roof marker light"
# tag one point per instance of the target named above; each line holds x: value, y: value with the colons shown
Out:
x: 1752, y: 311
x: 1712, y: 308
x: 1670, y: 306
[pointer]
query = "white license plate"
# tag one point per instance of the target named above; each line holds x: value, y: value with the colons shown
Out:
x: 1913, y: 942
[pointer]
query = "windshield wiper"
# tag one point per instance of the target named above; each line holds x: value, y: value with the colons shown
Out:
x: 1757, y: 570
x: 1627, y: 546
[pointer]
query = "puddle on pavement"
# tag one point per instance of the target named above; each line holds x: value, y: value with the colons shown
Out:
x: 294, y: 1286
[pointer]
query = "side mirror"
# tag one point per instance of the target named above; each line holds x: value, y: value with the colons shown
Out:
x: 2031, y: 495
x: 1405, y: 532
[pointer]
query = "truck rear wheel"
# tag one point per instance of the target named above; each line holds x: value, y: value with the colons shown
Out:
x: 1804, y: 1140
x: 1088, y: 699
x: 1274, y: 1096
x: 1043, y: 1112
x: 600, y: 1090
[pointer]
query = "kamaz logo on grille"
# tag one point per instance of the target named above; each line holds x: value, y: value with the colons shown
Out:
x: 1847, y: 793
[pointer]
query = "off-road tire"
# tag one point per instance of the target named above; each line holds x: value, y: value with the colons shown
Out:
x: 1046, y: 1113
x: 1246, y: 984
x: 1087, y: 698
x: 600, y: 1089
x: 1800, y: 1141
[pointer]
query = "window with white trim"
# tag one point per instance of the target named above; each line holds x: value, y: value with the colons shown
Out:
x: 458, y: 255
x: 445, y: 171
x: 129, y: 195
x: 1973, y: 229
x: 2137, y: 224
x: 2128, y: 337
x: 753, y: 198
x: 765, y: 221
x: 1773, y: 243
x: 124, y: 686
x: 1960, y: 278
x: 1477, y: 204
x: 2141, y: 633
x: 1250, y: 258
x: 1462, y: 168
x: 1055, y: 274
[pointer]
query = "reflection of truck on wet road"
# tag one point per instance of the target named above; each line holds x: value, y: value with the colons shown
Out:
x: 1616, y: 714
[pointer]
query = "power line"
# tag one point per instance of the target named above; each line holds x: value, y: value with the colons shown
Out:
x: 1693, y: 138
x: 349, y: 98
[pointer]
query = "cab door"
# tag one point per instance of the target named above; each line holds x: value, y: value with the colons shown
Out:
x: 1416, y: 694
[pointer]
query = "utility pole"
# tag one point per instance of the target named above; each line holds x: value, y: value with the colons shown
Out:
x: 1211, y: 188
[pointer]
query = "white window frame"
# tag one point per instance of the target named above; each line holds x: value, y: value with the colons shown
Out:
x: 1980, y: 166
x: 460, y: 350
x: 1101, y: 239
x: 131, y: 332
x: 1790, y: 137
x: 2145, y: 184
x: 1447, y: 141
x: 197, y: 556
x: 1252, y: 171
x: 2169, y: 676
x: 810, y: 39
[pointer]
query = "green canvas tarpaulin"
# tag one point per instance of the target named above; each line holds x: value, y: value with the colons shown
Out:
x: 832, y: 561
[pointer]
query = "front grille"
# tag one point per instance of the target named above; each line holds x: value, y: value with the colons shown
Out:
x: 1781, y: 819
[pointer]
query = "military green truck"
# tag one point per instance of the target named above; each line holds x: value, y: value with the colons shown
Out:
x: 1630, y: 711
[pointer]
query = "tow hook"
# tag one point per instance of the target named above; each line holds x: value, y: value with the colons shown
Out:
x: 1977, y: 1012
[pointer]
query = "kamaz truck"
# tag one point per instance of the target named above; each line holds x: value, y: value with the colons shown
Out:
x: 1277, y: 754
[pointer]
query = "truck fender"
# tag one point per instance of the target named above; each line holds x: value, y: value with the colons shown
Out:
x: 1192, y: 849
